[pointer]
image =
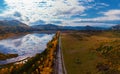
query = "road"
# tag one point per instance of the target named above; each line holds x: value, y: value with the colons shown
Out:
x: 59, y: 61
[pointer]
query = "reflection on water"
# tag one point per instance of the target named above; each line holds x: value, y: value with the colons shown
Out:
x: 25, y: 46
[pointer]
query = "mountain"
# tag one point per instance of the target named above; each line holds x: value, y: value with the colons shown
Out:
x: 47, y: 27
x: 116, y: 27
x: 55, y: 27
x: 14, y: 26
x: 11, y: 23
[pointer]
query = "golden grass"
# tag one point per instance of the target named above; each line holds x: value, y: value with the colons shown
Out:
x: 79, y: 51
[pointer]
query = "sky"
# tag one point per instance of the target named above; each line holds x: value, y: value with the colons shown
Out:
x: 62, y: 12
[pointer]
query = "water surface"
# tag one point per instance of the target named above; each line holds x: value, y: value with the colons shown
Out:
x: 25, y: 46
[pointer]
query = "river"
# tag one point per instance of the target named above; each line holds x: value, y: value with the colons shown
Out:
x: 25, y: 46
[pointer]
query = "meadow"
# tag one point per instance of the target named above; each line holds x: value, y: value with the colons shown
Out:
x: 91, y: 52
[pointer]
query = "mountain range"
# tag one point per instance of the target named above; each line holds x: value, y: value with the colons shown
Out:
x: 55, y: 27
x: 15, y: 26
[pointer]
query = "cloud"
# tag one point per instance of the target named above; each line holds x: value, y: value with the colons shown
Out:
x: 58, y: 11
x: 39, y: 22
x: 97, y: 24
x: 98, y: 5
x: 104, y: 4
x: 56, y: 22
x: 86, y: 1
x: 109, y: 18
x: 112, y: 12
x: 17, y: 14
x: 29, y: 11
x: 111, y: 15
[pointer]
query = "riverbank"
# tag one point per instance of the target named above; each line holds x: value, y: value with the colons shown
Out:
x: 7, y: 56
x: 10, y: 35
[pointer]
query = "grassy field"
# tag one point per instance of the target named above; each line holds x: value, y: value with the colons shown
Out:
x: 91, y: 52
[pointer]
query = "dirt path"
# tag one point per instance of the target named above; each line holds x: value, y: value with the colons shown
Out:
x: 59, y: 62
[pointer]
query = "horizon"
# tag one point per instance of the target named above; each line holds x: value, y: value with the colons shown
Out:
x: 62, y: 12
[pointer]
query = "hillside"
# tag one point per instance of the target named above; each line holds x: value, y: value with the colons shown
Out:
x: 13, y: 26
x: 12, y: 23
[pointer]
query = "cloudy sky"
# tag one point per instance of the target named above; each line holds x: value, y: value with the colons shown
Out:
x: 62, y: 12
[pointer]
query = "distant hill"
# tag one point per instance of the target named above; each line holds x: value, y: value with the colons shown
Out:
x: 116, y: 27
x: 55, y: 27
x: 13, y: 26
x: 85, y: 28
x: 47, y: 27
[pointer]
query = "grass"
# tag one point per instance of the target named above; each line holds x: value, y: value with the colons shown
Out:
x: 79, y: 50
